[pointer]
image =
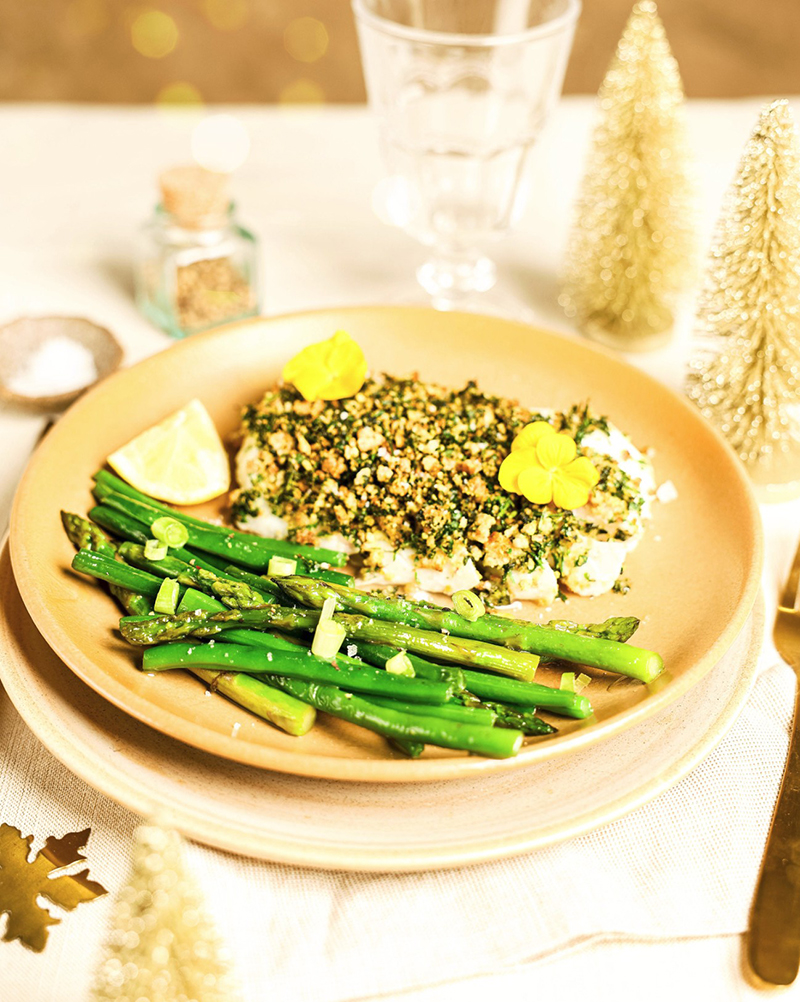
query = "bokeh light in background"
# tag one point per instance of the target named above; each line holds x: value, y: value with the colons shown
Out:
x: 306, y: 39
x: 302, y: 91
x: 154, y: 34
x: 226, y: 15
x: 253, y: 50
x: 133, y: 51
x: 220, y: 142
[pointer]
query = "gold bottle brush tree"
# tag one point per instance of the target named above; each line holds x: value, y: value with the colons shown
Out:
x: 745, y: 363
x: 632, y: 248
x: 162, y: 946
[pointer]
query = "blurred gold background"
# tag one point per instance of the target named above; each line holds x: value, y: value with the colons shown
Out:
x: 306, y: 50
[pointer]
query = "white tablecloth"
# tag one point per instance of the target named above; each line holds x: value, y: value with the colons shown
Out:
x: 668, y: 888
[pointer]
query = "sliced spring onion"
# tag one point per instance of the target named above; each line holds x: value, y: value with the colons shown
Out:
x: 567, y: 681
x: 281, y: 567
x: 468, y: 605
x: 170, y: 532
x: 582, y: 681
x: 328, y: 638
x: 400, y: 664
x: 328, y: 609
x: 154, y: 549
x: 167, y: 598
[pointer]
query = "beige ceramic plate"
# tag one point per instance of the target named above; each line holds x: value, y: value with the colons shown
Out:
x: 695, y: 575
x: 361, y: 826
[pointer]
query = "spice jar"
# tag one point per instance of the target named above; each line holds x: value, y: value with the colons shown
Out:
x: 197, y: 266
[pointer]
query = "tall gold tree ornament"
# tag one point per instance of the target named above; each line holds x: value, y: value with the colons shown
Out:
x: 632, y: 248
x: 162, y: 946
x: 745, y: 365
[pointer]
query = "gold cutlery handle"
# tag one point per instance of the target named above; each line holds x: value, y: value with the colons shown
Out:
x: 774, y: 941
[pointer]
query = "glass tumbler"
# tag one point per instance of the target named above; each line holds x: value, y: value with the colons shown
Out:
x: 461, y: 89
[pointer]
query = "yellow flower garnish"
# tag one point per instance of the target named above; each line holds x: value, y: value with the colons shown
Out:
x: 328, y: 370
x: 531, y: 434
x: 543, y: 467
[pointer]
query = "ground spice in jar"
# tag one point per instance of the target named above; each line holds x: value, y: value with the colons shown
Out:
x: 210, y: 292
x: 198, y: 268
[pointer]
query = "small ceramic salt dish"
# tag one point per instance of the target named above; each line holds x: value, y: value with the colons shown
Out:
x: 47, y: 362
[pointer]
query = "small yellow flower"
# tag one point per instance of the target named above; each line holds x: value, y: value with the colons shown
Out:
x: 543, y: 467
x: 328, y: 370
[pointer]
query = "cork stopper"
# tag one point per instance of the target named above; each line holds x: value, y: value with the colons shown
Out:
x: 196, y: 197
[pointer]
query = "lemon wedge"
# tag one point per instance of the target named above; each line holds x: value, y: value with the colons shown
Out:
x: 181, y: 459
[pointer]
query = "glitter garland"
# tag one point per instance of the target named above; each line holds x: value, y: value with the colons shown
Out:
x: 162, y: 947
x: 632, y: 248
x: 744, y: 368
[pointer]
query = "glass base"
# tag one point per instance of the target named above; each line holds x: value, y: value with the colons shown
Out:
x: 467, y: 283
x: 452, y: 278
x: 497, y: 302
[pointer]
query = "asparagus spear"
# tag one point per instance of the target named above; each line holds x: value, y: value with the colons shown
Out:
x: 332, y: 577
x: 527, y: 694
x: 494, y: 742
x: 115, y: 572
x: 402, y: 610
x: 379, y: 654
x: 134, y: 531
x: 454, y: 650
x: 239, y: 547
x: 452, y: 677
x: 491, y: 687
x: 85, y: 536
x: 134, y: 603
x: 107, y: 482
x: 520, y: 718
x: 618, y: 628
x: 234, y: 594
x: 119, y: 524
x: 272, y: 704
x: 514, y: 634
x: 298, y: 664
x: 194, y: 599
x: 275, y: 705
x: 257, y: 581
x: 264, y: 581
x: 477, y: 714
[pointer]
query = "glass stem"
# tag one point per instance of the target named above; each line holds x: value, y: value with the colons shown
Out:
x: 451, y: 276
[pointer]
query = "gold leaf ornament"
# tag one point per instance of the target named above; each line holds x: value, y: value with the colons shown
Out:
x: 22, y: 882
